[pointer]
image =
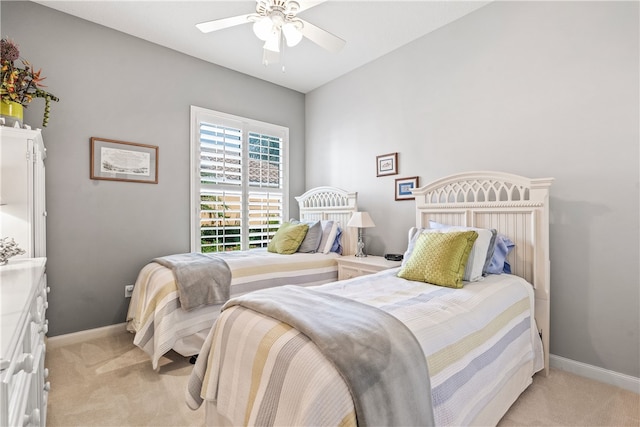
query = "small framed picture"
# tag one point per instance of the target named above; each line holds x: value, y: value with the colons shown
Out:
x: 387, y: 164
x: 123, y: 161
x: 404, y: 187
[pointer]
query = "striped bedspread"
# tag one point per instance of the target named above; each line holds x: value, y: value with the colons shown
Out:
x: 158, y: 322
x: 475, y: 340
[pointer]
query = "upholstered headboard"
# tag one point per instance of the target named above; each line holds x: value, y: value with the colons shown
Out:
x: 330, y: 203
x: 516, y: 206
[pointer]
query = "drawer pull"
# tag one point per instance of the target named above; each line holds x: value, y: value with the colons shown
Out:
x: 32, y: 419
x: 37, y: 317
x: 47, y: 386
x: 26, y: 364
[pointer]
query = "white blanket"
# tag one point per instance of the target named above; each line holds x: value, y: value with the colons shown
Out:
x: 161, y: 325
x: 476, y: 340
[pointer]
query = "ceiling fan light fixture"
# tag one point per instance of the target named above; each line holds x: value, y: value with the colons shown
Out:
x: 275, y: 22
x: 292, y: 34
x: 263, y: 28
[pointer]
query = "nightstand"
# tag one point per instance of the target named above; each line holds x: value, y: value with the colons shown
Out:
x: 352, y: 266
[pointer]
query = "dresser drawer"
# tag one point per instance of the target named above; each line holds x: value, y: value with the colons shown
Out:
x: 23, y: 392
x: 348, y: 272
x: 351, y: 266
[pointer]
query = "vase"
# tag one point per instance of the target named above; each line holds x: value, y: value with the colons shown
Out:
x: 12, y: 112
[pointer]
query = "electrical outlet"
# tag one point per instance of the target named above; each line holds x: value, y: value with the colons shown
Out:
x: 128, y: 291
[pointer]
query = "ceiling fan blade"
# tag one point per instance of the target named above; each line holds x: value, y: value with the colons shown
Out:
x: 304, y: 5
x: 321, y: 37
x: 219, y: 24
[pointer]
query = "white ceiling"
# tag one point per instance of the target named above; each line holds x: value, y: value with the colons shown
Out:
x: 370, y: 28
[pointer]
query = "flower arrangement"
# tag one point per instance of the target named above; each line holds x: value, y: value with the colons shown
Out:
x: 9, y: 248
x: 21, y: 85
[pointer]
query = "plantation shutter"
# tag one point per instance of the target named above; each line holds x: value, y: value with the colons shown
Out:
x: 240, y: 182
x: 265, y: 187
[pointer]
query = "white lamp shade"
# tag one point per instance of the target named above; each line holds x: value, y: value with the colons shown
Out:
x: 291, y: 34
x: 262, y: 28
x: 361, y: 220
x: 273, y: 42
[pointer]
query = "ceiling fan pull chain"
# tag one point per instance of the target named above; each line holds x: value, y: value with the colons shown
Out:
x: 283, y: 49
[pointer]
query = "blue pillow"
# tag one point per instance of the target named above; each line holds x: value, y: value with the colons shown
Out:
x: 337, y: 246
x: 502, y: 248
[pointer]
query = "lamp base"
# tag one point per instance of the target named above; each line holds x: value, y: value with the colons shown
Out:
x: 360, y: 252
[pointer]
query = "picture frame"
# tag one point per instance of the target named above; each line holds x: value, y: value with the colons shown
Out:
x: 114, y: 160
x: 404, y: 187
x: 387, y: 164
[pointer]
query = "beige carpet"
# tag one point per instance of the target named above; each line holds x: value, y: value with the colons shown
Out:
x: 110, y: 382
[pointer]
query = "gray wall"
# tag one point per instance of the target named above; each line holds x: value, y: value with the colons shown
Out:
x: 546, y: 89
x: 111, y: 85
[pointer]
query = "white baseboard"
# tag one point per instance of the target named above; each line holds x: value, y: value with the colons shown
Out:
x: 89, y: 334
x: 606, y: 376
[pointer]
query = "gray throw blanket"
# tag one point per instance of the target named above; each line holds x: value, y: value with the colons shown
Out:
x: 201, y: 279
x: 377, y: 355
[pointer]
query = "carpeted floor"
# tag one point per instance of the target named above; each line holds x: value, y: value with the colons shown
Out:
x: 110, y: 382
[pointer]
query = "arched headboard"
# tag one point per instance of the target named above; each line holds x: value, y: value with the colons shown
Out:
x: 516, y: 206
x: 335, y: 204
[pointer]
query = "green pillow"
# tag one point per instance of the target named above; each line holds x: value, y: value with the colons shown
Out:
x: 439, y: 258
x: 288, y: 238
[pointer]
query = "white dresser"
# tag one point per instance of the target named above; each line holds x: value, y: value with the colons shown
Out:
x: 23, y: 326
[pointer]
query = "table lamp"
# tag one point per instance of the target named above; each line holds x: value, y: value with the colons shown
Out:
x: 360, y: 220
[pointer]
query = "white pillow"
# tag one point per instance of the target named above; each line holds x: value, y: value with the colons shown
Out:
x: 329, y: 230
x: 477, y: 256
x: 414, y: 232
x: 330, y: 239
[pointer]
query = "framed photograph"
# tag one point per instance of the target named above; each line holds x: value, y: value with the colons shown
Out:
x: 123, y: 161
x: 387, y: 164
x: 404, y: 187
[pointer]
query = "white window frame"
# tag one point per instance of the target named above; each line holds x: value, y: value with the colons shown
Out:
x: 198, y: 115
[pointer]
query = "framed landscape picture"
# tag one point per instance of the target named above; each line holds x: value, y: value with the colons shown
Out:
x: 123, y: 161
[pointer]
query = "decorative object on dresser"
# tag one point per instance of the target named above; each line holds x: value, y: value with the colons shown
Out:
x: 352, y: 266
x: 123, y: 161
x: 23, y: 303
x: 387, y: 164
x: 361, y: 220
x: 22, y: 189
x: 404, y: 186
x: 20, y: 86
x: 9, y: 248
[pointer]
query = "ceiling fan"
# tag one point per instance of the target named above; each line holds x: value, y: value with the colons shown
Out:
x: 275, y: 22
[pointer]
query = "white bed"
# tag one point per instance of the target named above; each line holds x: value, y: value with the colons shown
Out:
x: 482, y: 343
x: 160, y: 325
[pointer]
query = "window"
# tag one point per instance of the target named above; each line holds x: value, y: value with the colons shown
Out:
x: 239, y: 190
